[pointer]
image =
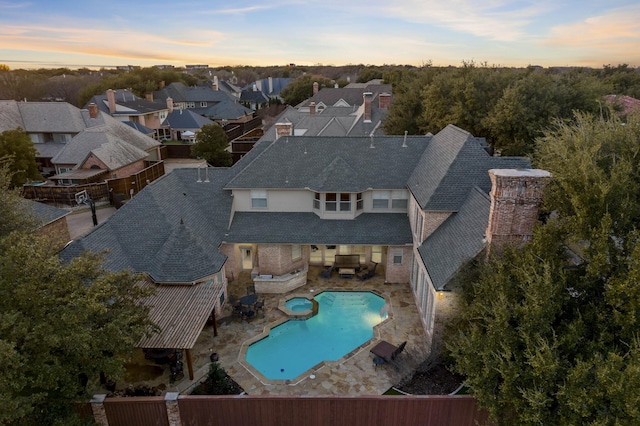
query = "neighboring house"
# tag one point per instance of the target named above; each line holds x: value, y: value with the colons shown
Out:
x: 352, y: 95
x: 229, y: 112
x: 225, y: 86
x: 197, y: 99
x: 183, y: 124
x: 143, y: 114
x: 52, y: 222
x: 253, y: 98
x: 79, y: 146
x: 418, y: 206
x: 270, y: 87
x: 333, y: 121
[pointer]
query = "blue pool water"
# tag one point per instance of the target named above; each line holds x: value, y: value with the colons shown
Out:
x: 298, y: 304
x: 345, y: 320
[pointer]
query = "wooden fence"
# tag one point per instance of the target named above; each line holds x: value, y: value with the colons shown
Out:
x: 267, y: 410
x: 65, y: 196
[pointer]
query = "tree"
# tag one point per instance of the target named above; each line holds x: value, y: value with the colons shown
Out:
x: 17, y: 145
x: 543, y: 339
x: 301, y: 89
x: 211, y: 144
x: 60, y: 324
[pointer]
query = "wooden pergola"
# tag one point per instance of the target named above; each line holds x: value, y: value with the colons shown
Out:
x: 181, y: 312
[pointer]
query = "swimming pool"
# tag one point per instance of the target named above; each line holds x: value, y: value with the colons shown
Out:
x: 344, y: 321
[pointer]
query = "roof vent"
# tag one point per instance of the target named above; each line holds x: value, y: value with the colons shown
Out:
x: 371, y: 146
x: 404, y: 142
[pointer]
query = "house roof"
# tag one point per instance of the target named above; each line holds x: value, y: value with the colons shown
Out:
x: 337, y: 96
x: 181, y: 93
x: 184, y: 119
x: 458, y: 240
x: 308, y: 228
x: 42, y: 117
x: 333, y: 164
x: 139, y: 127
x: 171, y: 230
x: 251, y: 95
x: 179, y: 327
x: 227, y: 111
x: 127, y: 103
x: 270, y: 86
x: 453, y: 162
x: 44, y: 213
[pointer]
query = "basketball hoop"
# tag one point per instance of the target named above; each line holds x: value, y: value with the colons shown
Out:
x: 81, y: 197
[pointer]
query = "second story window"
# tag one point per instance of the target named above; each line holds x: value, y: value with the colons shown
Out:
x: 258, y: 199
x: 331, y: 202
x: 380, y: 199
x: 316, y: 201
x: 203, y: 104
x: 359, y: 202
x: 191, y: 104
x: 345, y: 202
x: 399, y: 199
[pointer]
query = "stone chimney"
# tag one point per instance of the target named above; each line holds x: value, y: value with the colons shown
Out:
x: 284, y: 129
x: 111, y: 99
x: 214, y: 86
x: 367, y: 98
x: 149, y: 96
x: 170, y: 104
x: 312, y: 108
x: 162, y: 83
x: 516, y: 196
x: 270, y: 85
x: 384, y: 100
x: 93, y: 110
x: 315, y: 87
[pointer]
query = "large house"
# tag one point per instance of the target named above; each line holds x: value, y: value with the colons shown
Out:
x: 417, y: 206
x: 79, y: 146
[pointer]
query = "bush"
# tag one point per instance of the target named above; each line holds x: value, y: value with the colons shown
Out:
x: 217, y: 382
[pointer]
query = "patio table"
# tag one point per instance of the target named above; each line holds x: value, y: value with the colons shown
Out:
x: 249, y: 299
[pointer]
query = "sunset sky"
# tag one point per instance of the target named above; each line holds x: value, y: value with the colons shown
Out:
x: 64, y: 33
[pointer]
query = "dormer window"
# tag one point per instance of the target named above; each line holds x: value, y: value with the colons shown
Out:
x: 380, y: 199
x: 345, y: 202
x: 331, y: 202
x: 316, y: 201
x: 359, y: 201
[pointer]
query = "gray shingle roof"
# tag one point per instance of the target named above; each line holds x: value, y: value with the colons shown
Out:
x: 45, y: 213
x: 184, y: 119
x: 333, y: 164
x: 227, y: 111
x: 308, y: 228
x: 453, y: 162
x: 171, y: 230
x: 329, y: 96
x: 181, y: 93
x: 458, y: 240
x: 41, y: 117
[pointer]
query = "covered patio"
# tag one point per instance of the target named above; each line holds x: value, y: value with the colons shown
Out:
x: 355, y: 374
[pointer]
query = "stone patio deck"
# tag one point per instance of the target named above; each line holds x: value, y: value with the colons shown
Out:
x: 353, y: 375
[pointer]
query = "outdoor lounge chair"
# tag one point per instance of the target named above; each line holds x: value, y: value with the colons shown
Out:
x: 370, y: 273
x: 387, y: 351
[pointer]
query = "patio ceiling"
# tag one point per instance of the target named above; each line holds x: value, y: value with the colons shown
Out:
x: 181, y: 312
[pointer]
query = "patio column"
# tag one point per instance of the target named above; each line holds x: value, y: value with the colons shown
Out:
x: 189, y: 363
x: 97, y: 408
x: 213, y: 319
x: 173, y: 410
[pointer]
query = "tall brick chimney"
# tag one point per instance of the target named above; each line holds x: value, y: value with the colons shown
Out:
x: 93, y: 110
x: 170, y: 104
x: 284, y: 129
x: 312, y: 108
x: 149, y: 96
x: 315, y: 87
x: 214, y: 86
x: 111, y: 100
x: 516, y: 196
x: 384, y: 100
x: 367, y: 100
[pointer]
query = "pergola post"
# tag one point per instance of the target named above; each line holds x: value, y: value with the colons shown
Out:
x: 213, y: 319
x: 189, y: 363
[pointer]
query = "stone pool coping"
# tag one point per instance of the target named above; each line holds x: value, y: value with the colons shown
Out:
x: 296, y: 315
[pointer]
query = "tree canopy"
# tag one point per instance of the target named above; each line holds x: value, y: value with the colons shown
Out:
x: 18, y: 147
x: 301, y: 89
x: 60, y: 324
x: 548, y: 333
x: 211, y: 144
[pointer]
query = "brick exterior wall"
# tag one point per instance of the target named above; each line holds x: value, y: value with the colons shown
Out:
x: 231, y: 267
x: 516, y: 196
x: 129, y: 170
x: 275, y: 259
x: 284, y: 129
x: 58, y: 230
x: 431, y: 221
x: 398, y: 273
x: 384, y: 100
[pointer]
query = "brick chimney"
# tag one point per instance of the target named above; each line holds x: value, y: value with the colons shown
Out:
x: 315, y: 87
x: 170, y: 104
x: 149, y: 96
x: 384, y: 100
x: 284, y: 129
x: 214, y: 86
x: 111, y: 99
x: 312, y: 108
x: 516, y: 196
x: 93, y: 110
x: 367, y: 98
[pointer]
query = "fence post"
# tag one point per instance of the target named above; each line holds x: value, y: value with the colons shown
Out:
x: 173, y: 410
x: 97, y: 407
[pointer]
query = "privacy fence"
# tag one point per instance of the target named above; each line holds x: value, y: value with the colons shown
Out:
x: 245, y: 410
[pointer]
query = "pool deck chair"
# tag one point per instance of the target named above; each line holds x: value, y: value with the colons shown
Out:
x: 387, y: 351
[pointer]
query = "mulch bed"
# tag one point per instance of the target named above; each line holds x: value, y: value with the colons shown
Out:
x: 431, y: 378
